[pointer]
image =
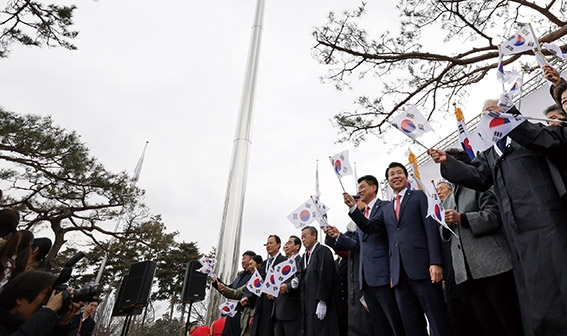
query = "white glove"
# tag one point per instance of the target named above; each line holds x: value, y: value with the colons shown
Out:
x: 321, y: 311
x: 294, y: 283
x: 505, y: 103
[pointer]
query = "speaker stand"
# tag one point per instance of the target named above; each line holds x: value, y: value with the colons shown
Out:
x: 188, y: 318
x: 126, y: 326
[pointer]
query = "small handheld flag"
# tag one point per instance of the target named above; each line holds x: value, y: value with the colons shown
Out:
x: 494, y: 126
x: 436, y: 210
x: 307, y: 212
x: 341, y: 165
x: 207, y: 266
x: 555, y: 50
x: 228, y: 308
x: 271, y: 284
x: 523, y: 40
x: 412, y: 123
x: 285, y: 270
x: 464, y: 136
x: 254, y: 285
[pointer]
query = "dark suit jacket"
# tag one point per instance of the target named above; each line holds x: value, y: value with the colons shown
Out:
x: 286, y: 305
x: 264, y: 314
x: 87, y: 326
x: 414, y: 240
x: 318, y: 282
x: 374, y: 266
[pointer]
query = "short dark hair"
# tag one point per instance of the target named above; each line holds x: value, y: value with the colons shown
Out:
x: 94, y: 299
x: 278, y: 240
x: 44, y: 245
x: 258, y: 259
x: 459, y: 155
x: 296, y: 241
x: 558, y: 92
x: 311, y: 229
x: 9, y: 220
x: 396, y: 164
x: 249, y: 253
x: 371, y: 180
x: 27, y: 285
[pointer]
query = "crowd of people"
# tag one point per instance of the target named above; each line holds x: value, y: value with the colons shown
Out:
x: 502, y: 271
x: 29, y: 303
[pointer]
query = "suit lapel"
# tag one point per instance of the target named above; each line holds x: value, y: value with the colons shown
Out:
x: 405, y: 201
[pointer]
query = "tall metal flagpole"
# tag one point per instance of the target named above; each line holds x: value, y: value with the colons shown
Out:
x: 137, y: 172
x: 228, y: 249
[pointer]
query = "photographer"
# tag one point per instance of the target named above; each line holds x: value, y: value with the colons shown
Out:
x: 14, y: 255
x: 21, y: 302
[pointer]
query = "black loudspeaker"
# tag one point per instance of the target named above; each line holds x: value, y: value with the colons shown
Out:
x: 194, y: 283
x: 136, y: 287
x: 120, y: 311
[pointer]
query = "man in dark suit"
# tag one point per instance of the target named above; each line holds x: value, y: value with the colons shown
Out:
x: 318, y: 283
x: 264, y: 320
x: 286, y: 305
x: 232, y: 325
x: 374, y: 266
x: 415, y: 253
x: 83, y: 323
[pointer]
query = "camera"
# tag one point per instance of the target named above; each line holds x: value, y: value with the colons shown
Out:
x: 79, y: 294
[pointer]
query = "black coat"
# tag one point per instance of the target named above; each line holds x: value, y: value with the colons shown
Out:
x: 264, y: 315
x: 534, y: 221
x: 286, y: 305
x: 318, y: 282
x: 359, y: 323
x: 87, y: 327
x: 42, y: 323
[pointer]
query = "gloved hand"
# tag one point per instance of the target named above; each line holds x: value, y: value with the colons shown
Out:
x: 505, y: 103
x: 294, y: 283
x: 321, y: 310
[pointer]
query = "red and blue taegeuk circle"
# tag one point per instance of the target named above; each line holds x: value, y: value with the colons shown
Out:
x: 408, y: 126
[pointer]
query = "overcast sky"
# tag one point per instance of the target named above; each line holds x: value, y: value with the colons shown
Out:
x: 171, y: 73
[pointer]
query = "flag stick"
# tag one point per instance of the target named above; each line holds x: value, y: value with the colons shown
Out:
x: 525, y: 117
x: 419, y: 143
x: 319, y: 212
x: 520, y: 98
x: 445, y: 225
x: 338, y: 177
x: 534, y: 35
x: 355, y: 178
x: 501, y: 60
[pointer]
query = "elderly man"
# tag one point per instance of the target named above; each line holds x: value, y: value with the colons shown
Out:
x: 318, y: 282
x: 533, y: 216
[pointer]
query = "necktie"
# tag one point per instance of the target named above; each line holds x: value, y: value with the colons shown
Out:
x: 398, y: 197
x: 367, y: 212
x: 502, y: 144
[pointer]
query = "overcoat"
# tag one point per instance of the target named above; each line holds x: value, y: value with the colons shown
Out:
x: 318, y: 282
x: 359, y: 323
x: 534, y: 221
x: 481, y: 243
